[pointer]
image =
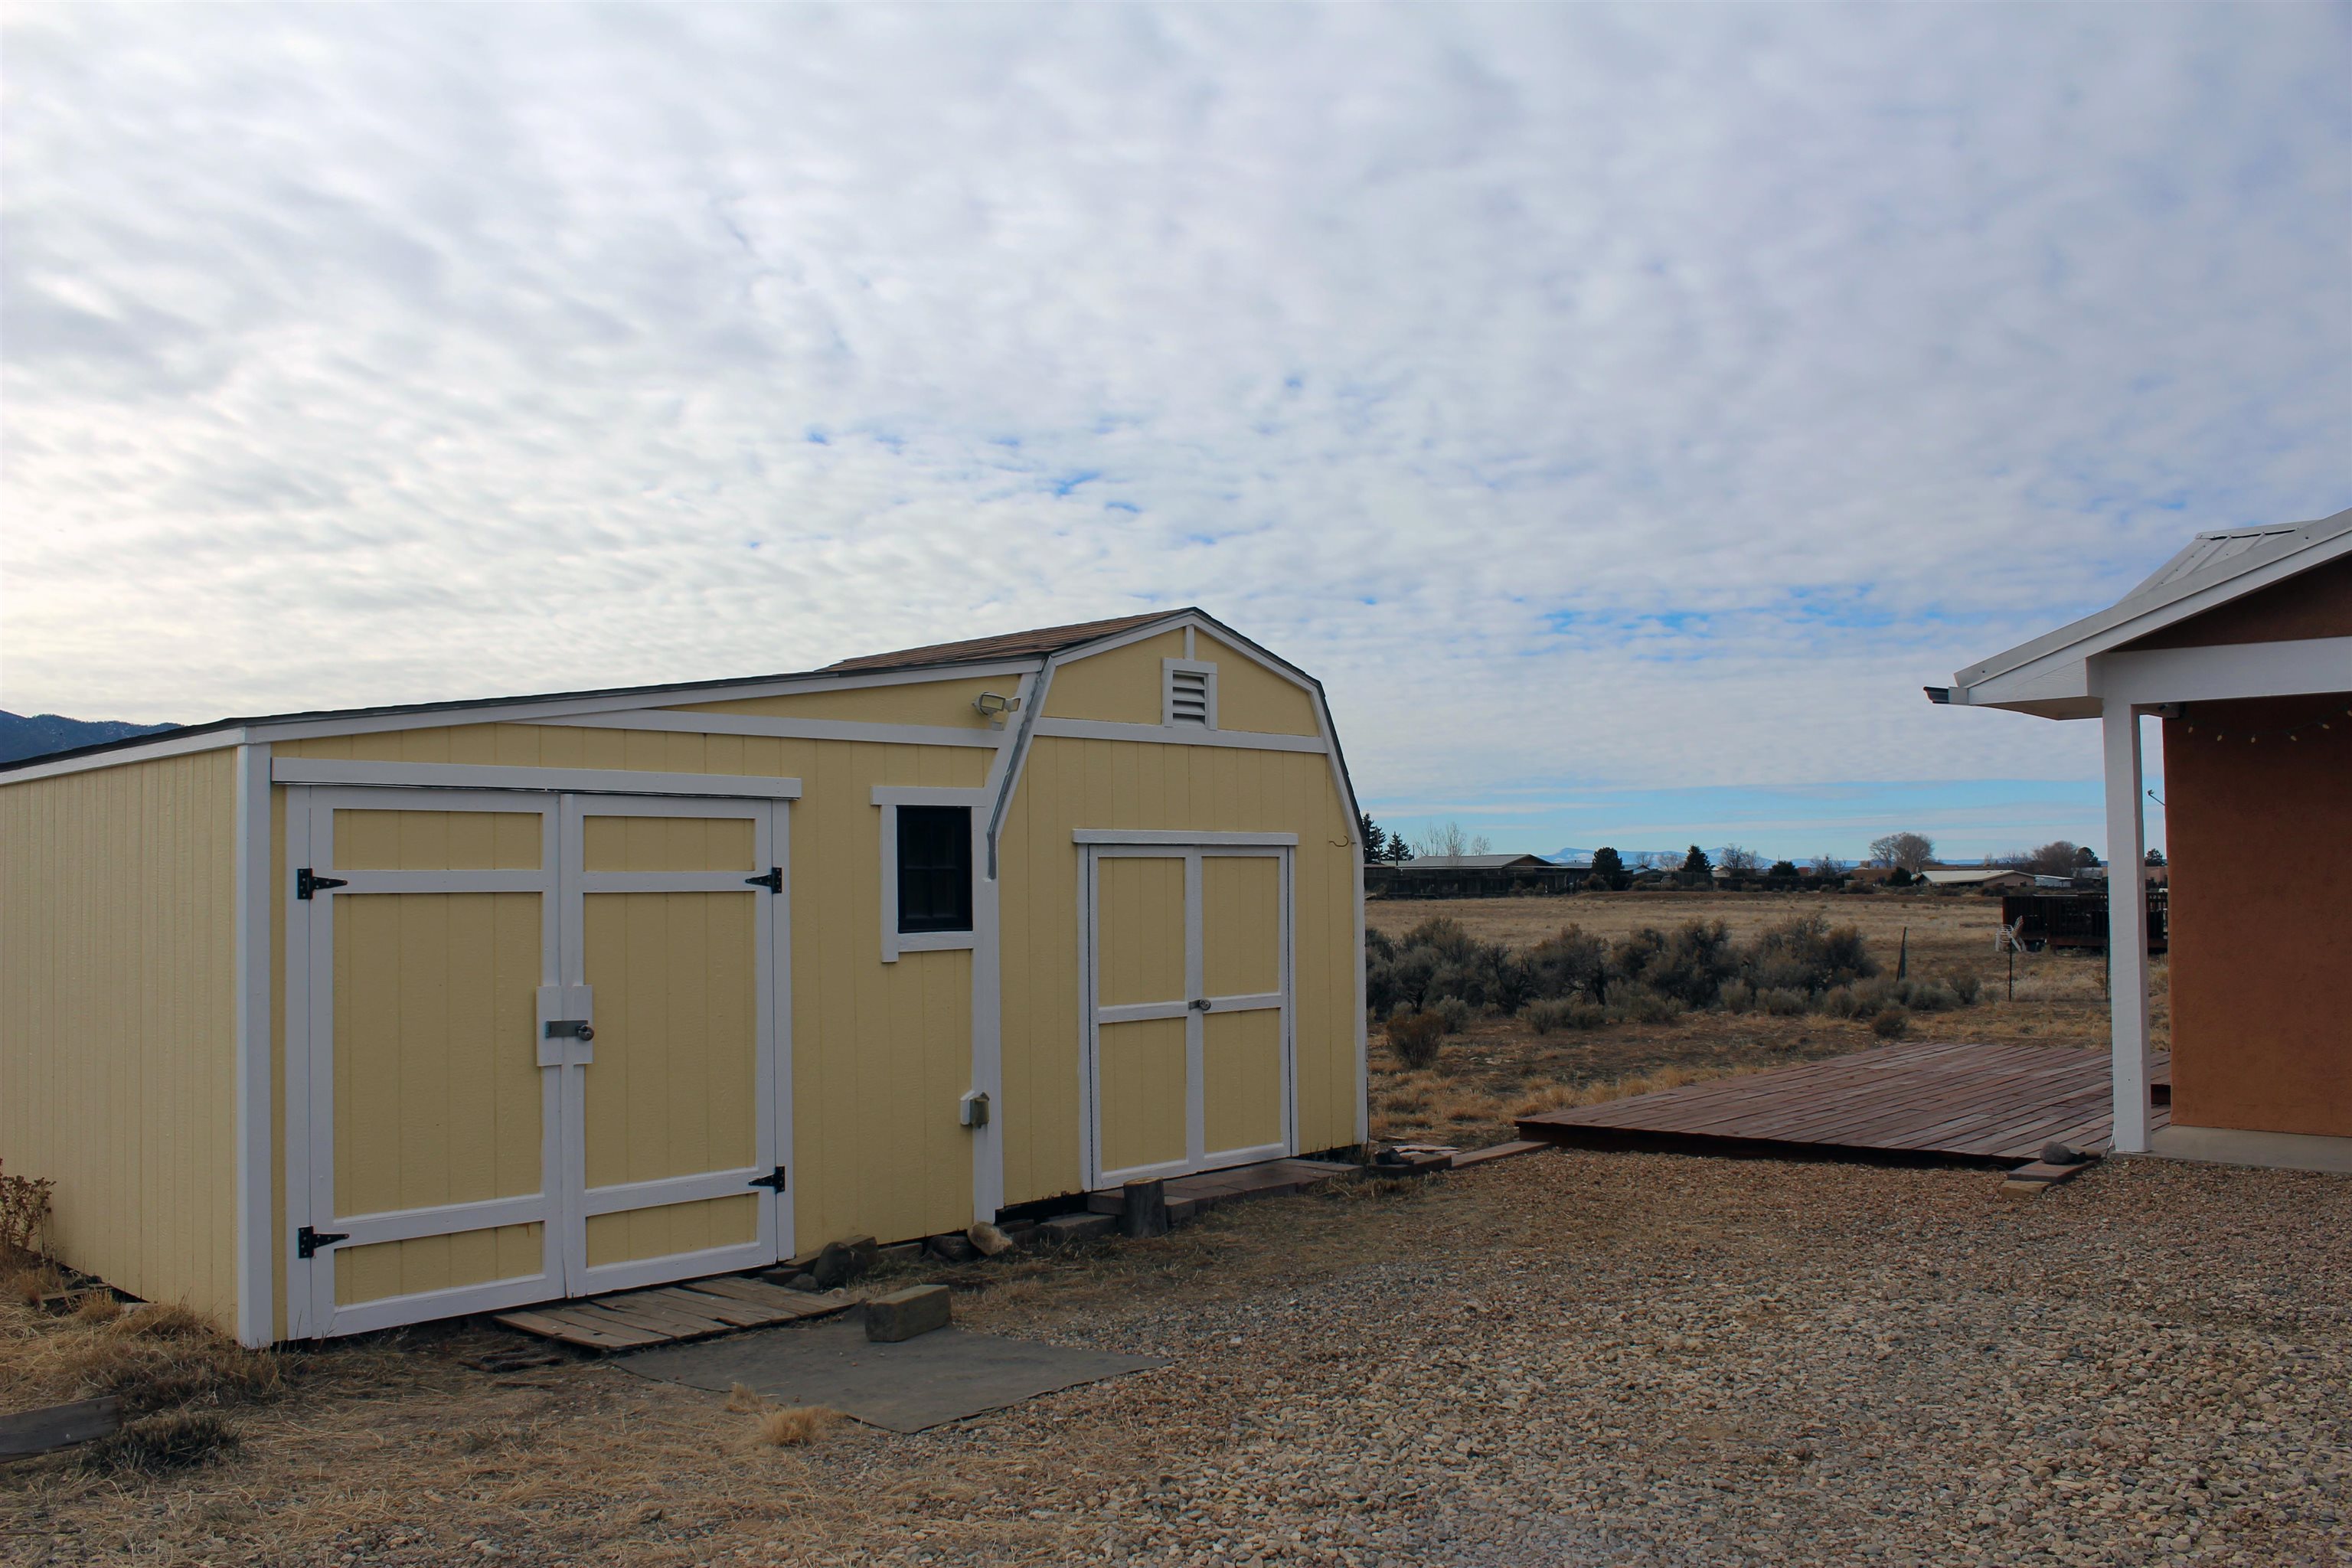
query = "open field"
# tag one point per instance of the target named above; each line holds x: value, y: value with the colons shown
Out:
x: 1500, y: 1066
x: 1570, y: 1358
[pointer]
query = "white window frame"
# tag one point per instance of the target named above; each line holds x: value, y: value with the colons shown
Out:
x: 1168, y: 672
x: 889, y: 798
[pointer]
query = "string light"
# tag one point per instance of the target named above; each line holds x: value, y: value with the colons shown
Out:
x: 2254, y: 737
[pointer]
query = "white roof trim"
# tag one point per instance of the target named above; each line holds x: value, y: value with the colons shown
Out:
x: 2050, y: 674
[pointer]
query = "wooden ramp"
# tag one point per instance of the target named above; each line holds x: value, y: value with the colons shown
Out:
x: 633, y: 1319
x: 1994, y: 1104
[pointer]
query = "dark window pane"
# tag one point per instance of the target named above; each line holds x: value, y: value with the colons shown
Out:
x: 934, y: 868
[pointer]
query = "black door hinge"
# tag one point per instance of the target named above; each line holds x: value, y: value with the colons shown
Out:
x: 308, y: 1241
x: 773, y: 882
x: 773, y: 1179
x: 306, y: 883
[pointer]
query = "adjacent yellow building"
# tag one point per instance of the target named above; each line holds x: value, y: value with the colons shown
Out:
x: 329, y: 1021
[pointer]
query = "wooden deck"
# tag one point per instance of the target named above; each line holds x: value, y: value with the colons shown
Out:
x: 632, y: 1319
x: 1992, y: 1104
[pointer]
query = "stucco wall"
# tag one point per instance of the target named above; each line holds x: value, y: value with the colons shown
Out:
x: 2260, y: 834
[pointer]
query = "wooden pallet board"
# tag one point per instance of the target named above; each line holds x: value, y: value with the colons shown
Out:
x: 1996, y: 1104
x: 1206, y: 1189
x: 667, y: 1315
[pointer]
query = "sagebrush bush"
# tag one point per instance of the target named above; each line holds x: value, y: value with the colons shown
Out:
x: 1840, y: 1002
x: 1783, y: 1002
x: 1454, y: 1011
x: 1807, y: 954
x: 1689, y: 963
x: 1737, y: 996
x: 1890, y: 1023
x: 1930, y: 997
x: 1641, y: 1004
x: 1415, y: 1037
x: 1547, y: 1014
x: 1965, y: 985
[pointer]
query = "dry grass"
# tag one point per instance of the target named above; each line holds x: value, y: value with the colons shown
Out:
x: 796, y: 1426
x: 1562, y: 1096
x: 156, y: 1358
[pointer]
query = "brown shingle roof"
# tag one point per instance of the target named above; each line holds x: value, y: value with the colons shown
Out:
x: 1006, y: 645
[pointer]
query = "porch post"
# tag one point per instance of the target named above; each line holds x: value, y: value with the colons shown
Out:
x: 2127, y: 925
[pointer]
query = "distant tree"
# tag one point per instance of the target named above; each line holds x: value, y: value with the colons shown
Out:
x: 1450, y: 839
x: 1695, y: 863
x: 2054, y: 859
x: 1742, y: 862
x: 1376, y: 839
x: 1782, y: 871
x: 2085, y: 857
x: 1399, y: 850
x: 2155, y: 857
x: 1904, y: 851
x: 1609, y: 867
x: 1901, y: 878
x: 1825, y: 865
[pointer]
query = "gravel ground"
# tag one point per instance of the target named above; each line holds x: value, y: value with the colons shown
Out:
x: 1660, y: 1359
x: 1570, y: 1358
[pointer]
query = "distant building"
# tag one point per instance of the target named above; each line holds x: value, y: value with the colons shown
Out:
x: 1978, y: 879
x: 1476, y: 863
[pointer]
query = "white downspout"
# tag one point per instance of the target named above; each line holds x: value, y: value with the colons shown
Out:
x: 2127, y: 925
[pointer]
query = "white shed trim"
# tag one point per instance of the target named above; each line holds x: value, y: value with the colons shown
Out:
x: 578, y: 781
x: 256, y: 1223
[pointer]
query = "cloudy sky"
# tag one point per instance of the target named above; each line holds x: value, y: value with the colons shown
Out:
x: 1624, y: 411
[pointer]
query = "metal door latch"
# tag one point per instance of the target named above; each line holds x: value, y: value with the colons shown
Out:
x: 1201, y: 1004
x: 773, y: 882
x: 571, y: 1029
x: 774, y: 1179
x: 307, y: 882
x: 308, y: 1241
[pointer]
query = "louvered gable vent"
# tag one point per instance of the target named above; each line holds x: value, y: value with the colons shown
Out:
x: 1191, y: 694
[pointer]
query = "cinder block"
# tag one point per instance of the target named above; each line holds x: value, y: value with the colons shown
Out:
x: 903, y: 1314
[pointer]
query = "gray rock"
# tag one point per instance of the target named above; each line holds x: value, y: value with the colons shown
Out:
x: 953, y: 1248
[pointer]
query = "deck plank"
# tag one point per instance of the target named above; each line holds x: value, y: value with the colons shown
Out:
x: 1940, y: 1097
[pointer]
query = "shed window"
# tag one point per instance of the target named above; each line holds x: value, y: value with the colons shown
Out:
x: 934, y: 868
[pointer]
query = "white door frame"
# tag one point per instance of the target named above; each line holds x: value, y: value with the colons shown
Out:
x: 1192, y: 849
x: 772, y: 1237
x: 561, y: 1206
x: 310, y: 1308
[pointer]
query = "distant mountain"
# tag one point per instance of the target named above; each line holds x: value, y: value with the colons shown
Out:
x: 41, y: 733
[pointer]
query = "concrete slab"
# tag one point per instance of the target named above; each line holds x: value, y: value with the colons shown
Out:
x: 942, y: 1376
x: 2274, y: 1150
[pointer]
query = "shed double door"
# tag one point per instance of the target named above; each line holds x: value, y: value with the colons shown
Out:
x: 534, y: 1048
x: 1188, y: 1010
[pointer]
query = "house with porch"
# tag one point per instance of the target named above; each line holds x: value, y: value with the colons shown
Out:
x: 2241, y: 645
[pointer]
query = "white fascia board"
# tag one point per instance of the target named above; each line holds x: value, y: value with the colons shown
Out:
x: 2123, y: 622
x: 527, y: 710
x: 585, y: 781
x: 2224, y: 672
x: 1176, y: 735
x: 691, y: 722
x: 166, y: 746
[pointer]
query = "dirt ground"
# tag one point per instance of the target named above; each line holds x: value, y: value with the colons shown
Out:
x: 1567, y: 1358
x: 1500, y: 1067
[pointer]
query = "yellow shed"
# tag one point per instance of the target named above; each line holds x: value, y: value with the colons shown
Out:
x: 328, y: 1022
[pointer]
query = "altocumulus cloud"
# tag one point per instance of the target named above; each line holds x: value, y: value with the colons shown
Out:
x: 1594, y: 397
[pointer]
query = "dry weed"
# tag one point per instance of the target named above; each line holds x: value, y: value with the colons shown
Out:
x: 796, y: 1426
x: 173, y: 1440
x: 743, y: 1401
x: 1564, y: 1096
x: 98, y: 1307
